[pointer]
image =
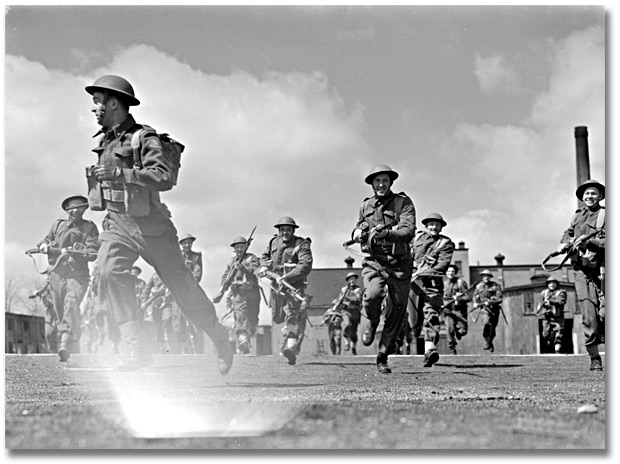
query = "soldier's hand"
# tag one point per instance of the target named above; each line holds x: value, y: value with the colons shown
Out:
x: 357, y: 235
x: 381, y: 233
x: 262, y: 271
x: 102, y: 172
x: 44, y: 247
x: 563, y: 247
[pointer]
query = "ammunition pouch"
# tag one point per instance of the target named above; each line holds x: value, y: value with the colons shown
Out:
x: 133, y: 200
x: 95, y: 192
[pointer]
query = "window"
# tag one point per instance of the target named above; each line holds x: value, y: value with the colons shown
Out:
x: 528, y: 303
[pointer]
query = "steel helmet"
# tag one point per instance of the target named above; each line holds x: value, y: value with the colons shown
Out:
x: 286, y: 221
x: 486, y: 272
x: 590, y: 183
x: 115, y: 84
x: 552, y: 279
x: 238, y: 240
x: 381, y: 169
x: 434, y: 217
x: 351, y: 274
x: 187, y: 237
x: 77, y: 196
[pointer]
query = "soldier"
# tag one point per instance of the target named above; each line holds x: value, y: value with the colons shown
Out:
x: 138, y: 223
x: 385, y: 227
x: 454, y: 285
x: 350, y: 306
x: 488, y: 299
x: 552, y: 307
x: 244, y: 292
x: 287, y: 261
x: 157, y: 302
x: 193, y: 260
x: 432, y: 252
x: 140, y: 283
x: 586, y: 238
x: 51, y: 323
x: 333, y: 319
x: 69, y: 278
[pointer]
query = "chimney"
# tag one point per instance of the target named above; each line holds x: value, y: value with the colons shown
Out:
x: 462, y: 246
x: 499, y: 258
x: 349, y: 261
x: 583, y: 157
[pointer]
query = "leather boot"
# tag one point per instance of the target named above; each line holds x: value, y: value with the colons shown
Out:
x: 382, y: 364
x: 243, y: 343
x: 64, y: 351
x: 139, y: 357
x: 368, y: 337
x: 289, y: 351
x: 219, y: 336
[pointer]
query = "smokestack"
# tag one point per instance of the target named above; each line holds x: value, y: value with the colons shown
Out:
x: 583, y: 156
x: 349, y: 261
x: 499, y: 259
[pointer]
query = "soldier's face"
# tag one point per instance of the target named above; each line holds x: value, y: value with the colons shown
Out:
x: 486, y: 277
x: 239, y: 248
x: 552, y: 285
x: 351, y: 281
x: 381, y: 184
x: 286, y: 232
x: 450, y: 273
x: 100, y: 110
x: 591, y: 197
x: 74, y: 211
x: 186, y: 245
x: 434, y: 228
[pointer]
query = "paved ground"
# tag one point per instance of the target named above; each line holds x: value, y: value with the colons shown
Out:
x: 330, y: 402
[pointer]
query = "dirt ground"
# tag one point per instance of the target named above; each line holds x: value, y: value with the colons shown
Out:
x: 488, y: 402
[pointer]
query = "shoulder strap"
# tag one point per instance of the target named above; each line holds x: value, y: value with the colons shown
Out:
x: 135, y: 146
x: 600, y: 220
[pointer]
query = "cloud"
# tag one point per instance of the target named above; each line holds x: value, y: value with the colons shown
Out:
x: 258, y: 148
x: 521, y: 178
x: 494, y: 75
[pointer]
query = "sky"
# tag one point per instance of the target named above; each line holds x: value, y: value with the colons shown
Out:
x: 285, y: 109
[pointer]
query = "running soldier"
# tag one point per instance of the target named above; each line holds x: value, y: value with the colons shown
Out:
x: 244, y: 292
x: 193, y: 260
x: 432, y: 252
x: 333, y: 320
x: 69, y: 278
x: 350, y: 306
x: 385, y: 228
x: 51, y: 323
x: 455, y: 287
x: 585, y: 241
x: 551, y: 306
x: 488, y: 300
x: 126, y: 181
x: 287, y: 261
x: 140, y: 283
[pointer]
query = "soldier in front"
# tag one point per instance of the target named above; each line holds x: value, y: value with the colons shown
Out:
x: 585, y: 240
x: 287, y: 261
x: 126, y: 182
x: 385, y: 228
x: 432, y: 252
x: 70, y: 277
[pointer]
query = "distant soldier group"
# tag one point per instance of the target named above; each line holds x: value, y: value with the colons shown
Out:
x: 408, y: 280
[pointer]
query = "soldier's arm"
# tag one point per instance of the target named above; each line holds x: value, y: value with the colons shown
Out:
x: 405, y: 231
x: 559, y: 298
x: 463, y: 287
x: 250, y: 265
x: 303, y: 266
x: 225, y: 274
x: 156, y: 170
x: 198, y: 267
x: 92, y: 241
x: 444, y: 258
x: 50, y: 238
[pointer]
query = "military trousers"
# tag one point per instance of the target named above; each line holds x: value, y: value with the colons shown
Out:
x: 587, y: 286
x: 425, y: 299
x: 489, y: 318
x: 381, y: 280
x: 67, y: 291
x: 455, y: 328
x: 553, y: 329
x: 121, y: 244
x: 246, y: 306
x: 287, y: 309
x: 350, y: 323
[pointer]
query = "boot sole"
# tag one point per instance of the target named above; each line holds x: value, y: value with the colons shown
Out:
x: 289, y: 355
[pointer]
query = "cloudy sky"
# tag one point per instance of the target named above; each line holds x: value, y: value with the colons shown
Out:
x: 284, y: 110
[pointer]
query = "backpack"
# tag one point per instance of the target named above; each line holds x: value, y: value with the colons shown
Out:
x: 171, y: 148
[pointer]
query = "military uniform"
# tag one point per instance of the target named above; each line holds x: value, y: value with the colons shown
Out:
x: 293, y: 261
x: 187, y: 330
x: 51, y: 323
x: 333, y: 318
x: 431, y: 258
x: 351, y: 309
x: 389, y: 267
x: 455, y: 328
x: 244, y: 295
x: 587, y: 270
x: 138, y: 224
x: 159, y: 312
x: 488, y: 297
x: 69, y: 280
x: 552, y: 308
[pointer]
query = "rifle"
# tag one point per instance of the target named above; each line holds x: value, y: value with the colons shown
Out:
x: 366, y: 238
x: 62, y: 254
x: 569, y: 251
x: 487, y: 304
x: 231, y: 274
x: 283, y: 284
x: 159, y: 293
x: 448, y: 312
